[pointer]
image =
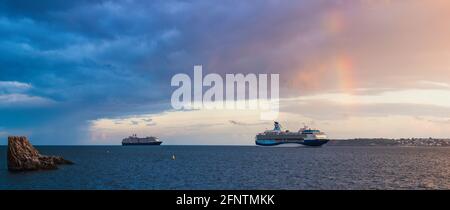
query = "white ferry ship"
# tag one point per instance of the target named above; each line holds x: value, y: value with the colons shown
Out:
x: 305, y: 136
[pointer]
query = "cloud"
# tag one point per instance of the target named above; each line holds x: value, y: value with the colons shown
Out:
x: 434, y: 84
x: 331, y: 110
x: 22, y: 99
x: 14, y: 93
x: 13, y: 86
x: 234, y: 122
x: 151, y: 124
x: 437, y: 120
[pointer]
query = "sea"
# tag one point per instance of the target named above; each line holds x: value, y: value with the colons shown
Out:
x: 236, y: 168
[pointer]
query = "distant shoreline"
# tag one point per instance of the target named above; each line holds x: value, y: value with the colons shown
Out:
x: 412, y: 142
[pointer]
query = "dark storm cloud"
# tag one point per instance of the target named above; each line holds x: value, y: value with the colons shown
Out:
x: 98, y: 59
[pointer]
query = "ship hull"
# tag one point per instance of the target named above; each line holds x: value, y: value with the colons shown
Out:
x: 291, y: 143
x: 142, y: 144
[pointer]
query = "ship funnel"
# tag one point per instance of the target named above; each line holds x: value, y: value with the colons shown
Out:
x: 277, y: 126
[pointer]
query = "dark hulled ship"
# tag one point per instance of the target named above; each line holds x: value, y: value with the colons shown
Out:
x: 134, y: 140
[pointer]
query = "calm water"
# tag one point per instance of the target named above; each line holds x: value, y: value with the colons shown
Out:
x: 234, y: 167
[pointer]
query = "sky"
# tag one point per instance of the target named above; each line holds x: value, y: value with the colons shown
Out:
x: 94, y: 72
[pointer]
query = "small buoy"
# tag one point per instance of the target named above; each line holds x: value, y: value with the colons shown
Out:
x: 173, y: 157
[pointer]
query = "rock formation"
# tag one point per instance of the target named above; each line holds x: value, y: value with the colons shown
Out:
x: 22, y: 156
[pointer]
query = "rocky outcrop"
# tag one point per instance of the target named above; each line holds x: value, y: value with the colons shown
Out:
x: 22, y: 156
